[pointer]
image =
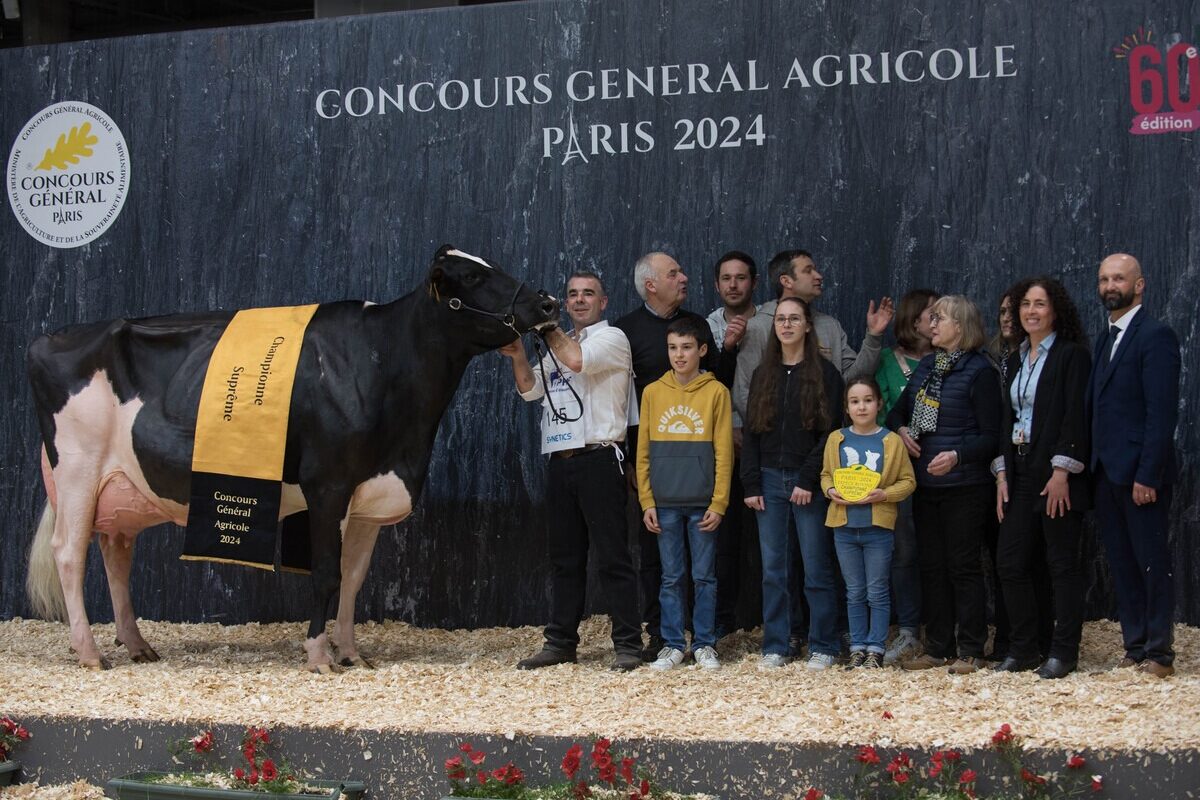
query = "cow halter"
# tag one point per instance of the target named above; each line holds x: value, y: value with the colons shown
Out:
x: 557, y: 414
x: 509, y: 319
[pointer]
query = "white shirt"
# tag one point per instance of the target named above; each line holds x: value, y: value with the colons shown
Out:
x: 608, y: 365
x: 1123, y: 324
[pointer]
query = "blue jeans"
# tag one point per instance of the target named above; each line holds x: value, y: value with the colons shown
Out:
x: 816, y: 549
x: 681, y: 532
x: 906, y: 569
x: 866, y: 558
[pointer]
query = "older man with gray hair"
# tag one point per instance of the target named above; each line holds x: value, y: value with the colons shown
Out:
x: 663, y: 286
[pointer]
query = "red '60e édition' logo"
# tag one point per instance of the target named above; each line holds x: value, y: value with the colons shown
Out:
x: 1164, y: 89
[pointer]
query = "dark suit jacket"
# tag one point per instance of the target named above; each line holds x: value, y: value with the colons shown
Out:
x: 1059, y: 423
x: 1133, y: 404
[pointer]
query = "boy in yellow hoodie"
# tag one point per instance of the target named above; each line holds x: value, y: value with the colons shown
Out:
x: 684, y: 462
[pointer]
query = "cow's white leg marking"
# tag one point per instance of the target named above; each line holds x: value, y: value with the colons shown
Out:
x: 320, y: 657
x: 94, y: 440
x: 118, y: 558
x: 358, y: 543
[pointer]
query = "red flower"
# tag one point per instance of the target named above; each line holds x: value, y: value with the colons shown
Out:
x: 500, y: 773
x: 813, y: 794
x: 1076, y: 762
x: 867, y: 755
x: 888, y: 715
x: 1032, y: 778
x: 570, y: 762
x: 900, y: 777
x: 465, y: 747
x: 477, y: 757
x: 515, y: 775
x: 900, y: 763
x: 201, y: 743
x: 454, y: 769
x: 953, y: 755
x: 481, y: 776
x: 627, y: 769
x: 269, y: 772
x: 239, y: 773
x: 1003, y: 736
x: 581, y: 790
x: 936, y: 769
x: 1097, y: 783
x: 968, y: 776
x: 253, y: 777
x: 645, y: 787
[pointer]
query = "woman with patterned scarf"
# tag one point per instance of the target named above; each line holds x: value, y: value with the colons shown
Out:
x: 949, y: 419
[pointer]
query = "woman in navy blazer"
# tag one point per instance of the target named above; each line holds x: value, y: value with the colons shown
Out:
x: 1041, y: 486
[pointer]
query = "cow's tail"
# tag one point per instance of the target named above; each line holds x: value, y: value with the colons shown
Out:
x: 42, y: 583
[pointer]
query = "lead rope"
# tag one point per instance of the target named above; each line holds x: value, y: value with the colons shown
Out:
x: 558, y: 415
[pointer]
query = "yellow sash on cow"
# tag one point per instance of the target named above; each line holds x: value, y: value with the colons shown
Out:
x: 241, y: 434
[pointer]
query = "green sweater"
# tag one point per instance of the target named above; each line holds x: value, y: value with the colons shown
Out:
x: 891, y: 379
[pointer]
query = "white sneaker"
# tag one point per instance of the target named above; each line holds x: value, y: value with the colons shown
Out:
x: 820, y: 661
x: 773, y: 661
x: 668, y: 658
x: 707, y: 658
x: 904, y: 647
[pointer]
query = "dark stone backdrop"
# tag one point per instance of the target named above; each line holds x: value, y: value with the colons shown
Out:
x: 242, y: 195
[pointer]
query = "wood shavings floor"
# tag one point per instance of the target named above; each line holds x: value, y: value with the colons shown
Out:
x: 464, y: 681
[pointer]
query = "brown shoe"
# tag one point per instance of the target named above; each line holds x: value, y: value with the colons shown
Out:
x: 965, y: 666
x: 1127, y: 662
x: 1156, y: 669
x: 924, y: 661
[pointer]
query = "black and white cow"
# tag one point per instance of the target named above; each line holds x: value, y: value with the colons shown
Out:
x: 117, y: 403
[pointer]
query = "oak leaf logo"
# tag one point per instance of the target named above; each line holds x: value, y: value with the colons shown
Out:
x: 69, y: 148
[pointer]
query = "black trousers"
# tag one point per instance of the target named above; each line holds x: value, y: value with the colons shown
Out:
x: 1029, y: 539
x: 950, y: 523
x: 729, y: 555
x: 1139, y: 557
x: 586, y: 497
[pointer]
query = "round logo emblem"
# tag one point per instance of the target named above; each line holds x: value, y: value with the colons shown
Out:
x: 68, y: 174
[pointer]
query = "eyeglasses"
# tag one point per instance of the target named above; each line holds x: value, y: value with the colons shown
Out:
x: 790, y: 322
x: 937, y: 319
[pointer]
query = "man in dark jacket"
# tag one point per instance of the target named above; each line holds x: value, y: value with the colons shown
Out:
x: 1133, y: 399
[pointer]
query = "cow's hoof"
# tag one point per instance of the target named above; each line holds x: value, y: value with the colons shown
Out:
x: 357, y: 661
x: 324, y: 669
x: 97, y: 665
x: 146, y: 656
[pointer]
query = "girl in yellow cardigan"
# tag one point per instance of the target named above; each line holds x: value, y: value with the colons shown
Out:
x: 868, y: 462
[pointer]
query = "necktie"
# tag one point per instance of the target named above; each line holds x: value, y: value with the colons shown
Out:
x: 1113, y: 332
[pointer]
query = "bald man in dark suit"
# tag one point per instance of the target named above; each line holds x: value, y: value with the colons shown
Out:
x: 1133, y: 400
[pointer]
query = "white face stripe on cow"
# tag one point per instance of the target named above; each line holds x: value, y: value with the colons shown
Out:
x: 476, y: 259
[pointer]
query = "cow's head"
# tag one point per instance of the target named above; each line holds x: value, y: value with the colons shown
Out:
x: 492, y: 308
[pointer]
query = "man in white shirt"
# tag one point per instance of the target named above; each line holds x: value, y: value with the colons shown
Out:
x: 585, y: 389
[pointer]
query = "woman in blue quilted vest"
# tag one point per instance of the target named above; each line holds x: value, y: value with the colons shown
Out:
x: 949, y: 420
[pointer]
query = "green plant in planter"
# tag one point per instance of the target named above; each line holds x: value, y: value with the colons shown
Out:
x: 11, y: 735
x: 260, y: 774
x: 611, y: 778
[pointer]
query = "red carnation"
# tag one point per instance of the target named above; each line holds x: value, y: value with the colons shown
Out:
x: 454, y: 769
x: 253, y: 777
x: 477, y: 757
x: 953, y: 755
x: 481, y: 776
x: 813, y: 794
x: 269, y: 772
x: 570, y: 762
x: 1097, y: 783
x: 936, y: 769
x: 202, y: 743
x: 646, y: 787
x: 239, y: 773
x: 1032, y: 778
x: 465, y: 747
x: 867, y: 755
x: 627, y: 769
x: 1002, y: 736
x: 515, y: 775
x: 900, y: 777
x: 1076, y: 762
x: 968, y: 776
